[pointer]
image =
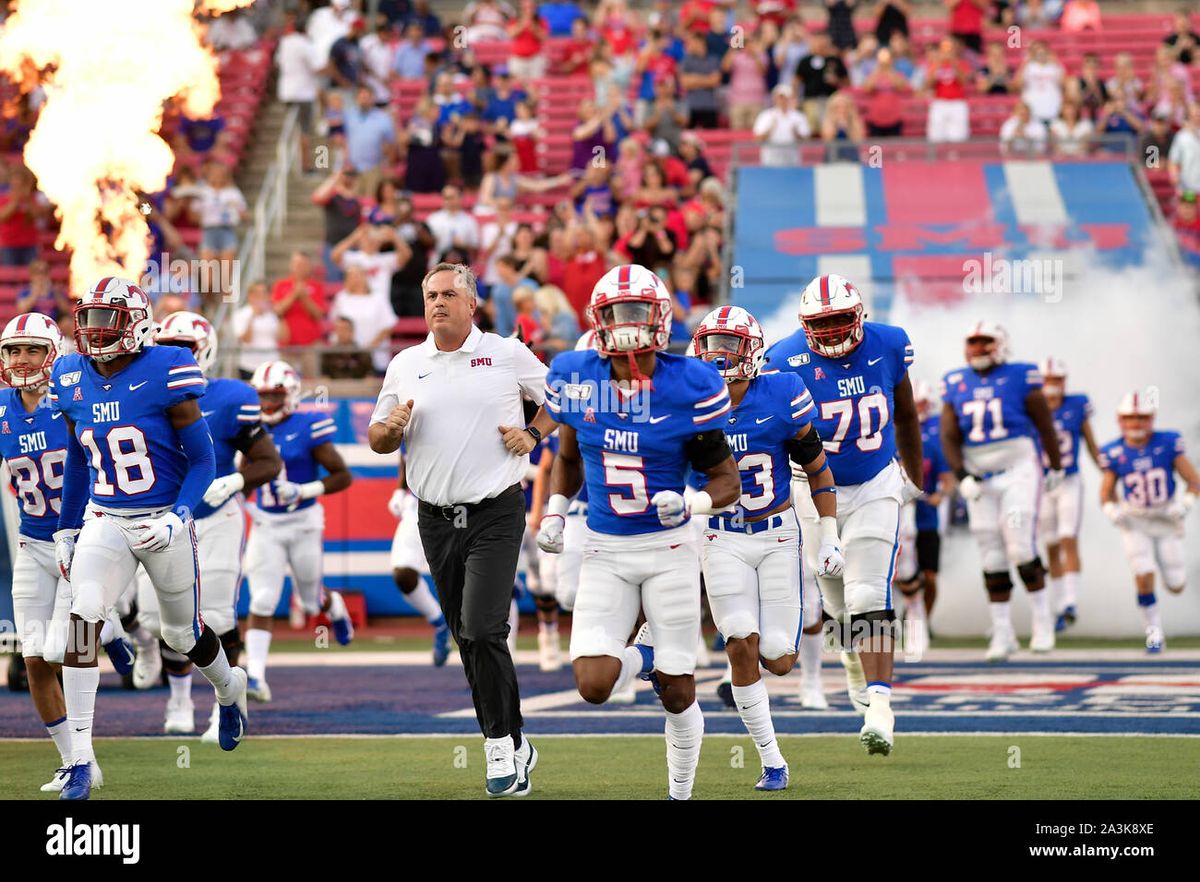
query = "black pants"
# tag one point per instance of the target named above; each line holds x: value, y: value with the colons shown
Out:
x: 472, y: 557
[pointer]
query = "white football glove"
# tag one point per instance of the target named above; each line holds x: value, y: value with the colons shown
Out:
x: 64, y: 550
x: 831, y: 561
x: 222, y: 488
x: 970, y: 488
x: 910, y: 491
x: 159, y: 533
x: 287, y: 493
x: 1115, y: 513
x: 550, y: 535
x: 1053, y: 480
x: 396, y: 503
x: 672, y: 509
x: 1181, y: 505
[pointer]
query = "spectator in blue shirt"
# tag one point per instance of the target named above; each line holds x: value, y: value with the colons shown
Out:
x: 201, y: 134
x: 370, y: 140
x: 421, y: 15
x: 559, y: 17
x: 450, y: 103
x: 410, y: 55
x: 504, y: 313
x: 502, y: 107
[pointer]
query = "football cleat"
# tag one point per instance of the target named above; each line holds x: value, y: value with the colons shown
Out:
x: 120, y: 653
x: 79, y: 782
x: 725, y: 693
x: 61, y: 776
x: 1002, y: 645
x: 812, y: 697
x: 258, y: 690
x: 773, y: 779
x: 339, y: 616
x: 232, y: 725
x: 856, y: 682
x: 549, y: 652
x: 877, y: 731
x: 212, y: 735
x: 147, y: 664
x: 525, y: 759
x: 1065, y: 619
x: 644, y: 641
x: 1042, y: 638
x: 1154, y: 640
x: 628, y: 695
x: 181, y: 717
x: 502, y: 779
x: 441, y: 643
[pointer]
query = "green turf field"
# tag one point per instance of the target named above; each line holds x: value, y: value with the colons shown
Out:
x: 827, y: 767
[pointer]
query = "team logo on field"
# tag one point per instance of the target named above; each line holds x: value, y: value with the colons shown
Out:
x: 78, y: 396
x: 797, y: 360
x: 70, y: 379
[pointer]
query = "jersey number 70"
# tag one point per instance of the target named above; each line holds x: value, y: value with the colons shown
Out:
x: 843, y: 410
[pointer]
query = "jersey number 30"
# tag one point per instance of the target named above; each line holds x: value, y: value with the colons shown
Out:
x: 130, y: 461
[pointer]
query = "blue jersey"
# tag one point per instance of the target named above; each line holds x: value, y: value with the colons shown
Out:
x: 854, y: 395
x: 134, y: 457
x: 633, y: 448
x: 775, y: 409
x: 35, y: 447
x: 297, y: 436
x: 1069, y: 418
x: 991, y: 406
x: 933, y: 464
x: 1146, y: 474
x: 229, y: 407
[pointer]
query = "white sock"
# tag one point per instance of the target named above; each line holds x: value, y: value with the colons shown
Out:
x: 1040, y: 602
x: 685, y: 731
x: 1150, y: 614
x: 60, y: 734
x: 549, y: 628
x: 879, y: 693
x: 914, y: 606
x: 258, y: 644
x: 810, y: 660
x: 181, y: 686
x: 631, y: 666
x: 107, y: 632
x: 79, y: 689
x: 514, y: 621
x: 337, y: 607
x: 220, y: 674
x: 422, y: 600
x: 754, y: 707
x: 1070, y: 595
x: 1054, y: 587
x: 1001, y: 614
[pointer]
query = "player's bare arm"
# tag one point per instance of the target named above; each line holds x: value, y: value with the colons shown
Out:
x: 724, y: 483
x: 952, y: 439
x: 541, y: 489
x: 1043, y: 421
x: 1187, y: 471
x: 908, y: 431
x: 260, y: 459
x: 339, y: 477
x: 566, y: 473
x: 182, y: 414
x: 1089, y: 439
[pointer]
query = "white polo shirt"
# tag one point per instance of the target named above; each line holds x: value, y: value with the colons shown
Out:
x: 453, y: 451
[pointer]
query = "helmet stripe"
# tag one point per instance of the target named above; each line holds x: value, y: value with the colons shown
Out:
x: 723, y: 315
x: 21, y: 323
x: 623, y: 277
x: 824, y: 290
x: 101, y: 286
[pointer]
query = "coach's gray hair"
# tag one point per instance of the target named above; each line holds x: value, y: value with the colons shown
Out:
x: 464, y: 277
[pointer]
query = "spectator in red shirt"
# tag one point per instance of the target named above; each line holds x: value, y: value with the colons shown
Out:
x: 583, y: 271
x: 966, y: 21
x: 946, y: 77
x: 777, y: 12
x: 299, y: 301
x: 694, y: 16
x: 885, y: 88
x: 577, y: 51
x: 20, y: 209
x: 528, y: 34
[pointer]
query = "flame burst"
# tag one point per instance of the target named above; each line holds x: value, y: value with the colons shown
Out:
x: 106, y: 68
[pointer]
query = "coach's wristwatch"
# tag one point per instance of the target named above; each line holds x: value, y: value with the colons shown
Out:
x: 537, y: 435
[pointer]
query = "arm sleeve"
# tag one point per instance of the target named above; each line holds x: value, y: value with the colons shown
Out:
x: 531, y: 373
x: 75, y: 486
x: 202, y: 466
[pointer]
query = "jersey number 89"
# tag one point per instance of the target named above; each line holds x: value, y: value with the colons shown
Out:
x: 25, y: 477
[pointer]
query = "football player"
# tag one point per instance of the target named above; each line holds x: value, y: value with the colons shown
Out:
x: 1061, y: 511
x: 1148, y: 511
x: 633, y: 421
x: 920, y: 539
x: 139, y: 460
x: 857, y: 372
x: 410, y: 569
x: 991, y: 413
x: 751, y: 558
x: 288, y: 522
x: 232, y: 412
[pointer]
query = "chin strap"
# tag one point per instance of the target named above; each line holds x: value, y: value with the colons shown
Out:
x: 642, y: 382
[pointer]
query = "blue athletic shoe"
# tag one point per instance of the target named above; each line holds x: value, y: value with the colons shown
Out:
x: 1065, y: 619
x: 231, y: 725
x: 644, y: 644
x: 441, y: 642
x: 79, y: 783
x: 120, y: 653
x: 773, y: 779
x: 343, y: 631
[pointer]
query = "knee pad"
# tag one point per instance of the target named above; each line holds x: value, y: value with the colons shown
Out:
x: 204, y: 650
x: 997, y: 582
x: 545, y: 602
x: 406, y: 579
x: 737, y: 626
x: 773, y: 643
x: 89, y: 602
x: 180, y: 638
x: 1032, y: 573
x: 129, y: 621
x: 909, y: 587
x: 232, y: 642
x: 174, y: 662
x: 870, y: 624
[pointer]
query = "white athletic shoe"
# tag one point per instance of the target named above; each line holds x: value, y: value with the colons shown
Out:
x: 916, y: 638
x: 210, y: 735
x: 1154, y: 640
x: 258, y: 690
x: 1042, y: 638
x: 59, y: 781
x: 147, y: 664
x: 856, y: 682
x: 549, y: 652
x: 626, y: 696
x: 181, y: 717
x: 1003, y: 644
x: 877, y: 731
x: 812, y: 696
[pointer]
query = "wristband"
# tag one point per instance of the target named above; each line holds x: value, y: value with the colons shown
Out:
x: 557, y: 506
x: 701, y: 503
x: 312, y: 489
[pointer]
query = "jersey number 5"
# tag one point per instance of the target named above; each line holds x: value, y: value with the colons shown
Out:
x: 625, y: 470
x: 127, y: 449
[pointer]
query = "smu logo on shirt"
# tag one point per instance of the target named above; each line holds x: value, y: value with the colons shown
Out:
x: 737, y: 443
x: 481, y: 362
x: 106, y: 412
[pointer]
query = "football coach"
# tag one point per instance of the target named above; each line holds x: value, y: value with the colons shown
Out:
x: 456, y: 403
